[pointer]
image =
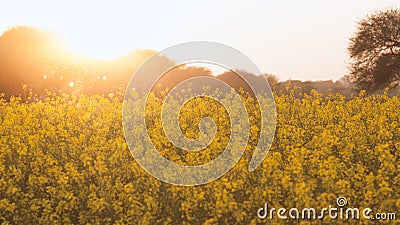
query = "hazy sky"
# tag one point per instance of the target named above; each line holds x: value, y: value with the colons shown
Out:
x: 292, y: 39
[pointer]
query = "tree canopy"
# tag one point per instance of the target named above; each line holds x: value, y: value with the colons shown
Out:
x: 375, y: 51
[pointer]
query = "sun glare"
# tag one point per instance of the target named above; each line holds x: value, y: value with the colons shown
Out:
x: 98, y: 46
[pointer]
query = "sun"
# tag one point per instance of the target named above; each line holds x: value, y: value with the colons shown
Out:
x: 98, y: 46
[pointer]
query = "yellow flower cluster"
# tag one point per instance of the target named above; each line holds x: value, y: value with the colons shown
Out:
x: 64, y: 160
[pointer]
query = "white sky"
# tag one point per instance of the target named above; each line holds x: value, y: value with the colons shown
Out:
x: 292, y: 39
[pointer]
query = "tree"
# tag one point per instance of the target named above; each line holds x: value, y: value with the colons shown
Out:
x: 375, y: 51
x: 40, y: 61
x: 25, y: 54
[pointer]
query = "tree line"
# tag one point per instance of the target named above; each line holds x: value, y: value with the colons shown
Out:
x: 34, y: 60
